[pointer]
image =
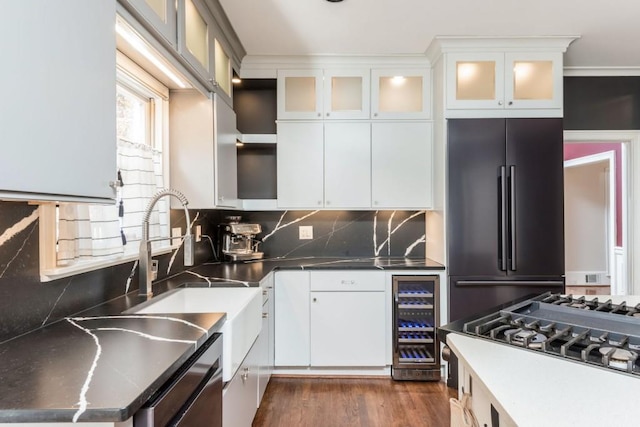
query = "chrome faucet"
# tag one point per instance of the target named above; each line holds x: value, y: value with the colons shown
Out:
x: 147, y: 267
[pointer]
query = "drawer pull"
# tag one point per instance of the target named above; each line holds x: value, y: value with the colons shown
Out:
x: 245, y: 375
x: 348, y: 282
x: 265, y: 315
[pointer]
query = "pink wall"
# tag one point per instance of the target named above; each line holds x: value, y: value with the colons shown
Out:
x: 573, y: 151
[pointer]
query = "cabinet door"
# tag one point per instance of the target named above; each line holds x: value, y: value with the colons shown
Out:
x: 292, y: 318
x: 475, y: 81
x: 192, y: 155
x: 223, y: 72
x: 346, y: 94
x: 58, y: 105
x: 401, y: 165
x: 299, y: 94
x: 263, y: 354
x: 226, y: 155
x: 239, y: 395
x: 348, y: 329
x: 401, y: 94
x: 195, y: 39
x: 347, y: 165
x: 161, y: 15
x: 300, y: 158
x: 533, y: 80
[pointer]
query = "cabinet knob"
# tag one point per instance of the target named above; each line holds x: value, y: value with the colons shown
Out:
x: 319, y: 114
x: 328, y: 202
x: 265, y: 315
x: 319, y: 202
x: 510, y: 102
x: 499, y: 102
x: 264, y: 292
x: 375, y: 202
x: 375, y: 114
x: 328, y: 114
x: 315, y: 299
x: 245, y: 374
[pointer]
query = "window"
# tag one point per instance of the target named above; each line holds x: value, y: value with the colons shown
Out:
x: 91, y: 236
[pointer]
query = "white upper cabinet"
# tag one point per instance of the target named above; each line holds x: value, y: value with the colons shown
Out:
x: 299, y: 94
x: 300, y: 165
x: 400, y: 93
x: 203, y: 150
x: 160, y: 15
x: 347, y: 165
x: 401, y: 165
x: 501, y: 76
x: 504, y: 81
x: 346, y: 94
x: 195, y: 39
x: 58, y: 109
x: 323, y: 94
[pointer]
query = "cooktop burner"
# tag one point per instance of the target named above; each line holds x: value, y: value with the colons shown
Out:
x: 596, y: 333
x: 525, y: 337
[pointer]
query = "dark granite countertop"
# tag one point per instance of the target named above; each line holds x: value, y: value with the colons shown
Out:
x: 103, y: 365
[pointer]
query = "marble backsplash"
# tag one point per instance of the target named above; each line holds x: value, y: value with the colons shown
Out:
x: 341, y: 233
x: 26, y: 303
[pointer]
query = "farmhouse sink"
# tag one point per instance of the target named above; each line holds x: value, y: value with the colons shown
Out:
x: 241, y: 328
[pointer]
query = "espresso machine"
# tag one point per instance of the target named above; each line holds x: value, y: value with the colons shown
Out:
x: 238, y: 240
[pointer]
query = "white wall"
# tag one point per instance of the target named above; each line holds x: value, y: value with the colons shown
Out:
x: 585, y: 201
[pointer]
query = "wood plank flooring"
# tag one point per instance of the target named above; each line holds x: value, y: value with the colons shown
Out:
x: 345, y: 402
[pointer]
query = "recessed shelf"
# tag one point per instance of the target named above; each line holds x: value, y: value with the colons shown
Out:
x: 257, y: 138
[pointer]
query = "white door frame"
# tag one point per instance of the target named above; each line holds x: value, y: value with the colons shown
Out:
x: 609, y: 158
x: 630, y: 187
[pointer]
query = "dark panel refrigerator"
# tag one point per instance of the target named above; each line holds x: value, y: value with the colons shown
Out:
x: 504, y: 211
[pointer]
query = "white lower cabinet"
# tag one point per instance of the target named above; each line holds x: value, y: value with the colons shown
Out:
x: 239, y: 395
x: 265, y: 339
x: 347, y: 329
x: 292, y: 333
x: 330, y: 319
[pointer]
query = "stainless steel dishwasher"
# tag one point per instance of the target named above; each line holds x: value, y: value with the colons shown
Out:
x: 193, y: 396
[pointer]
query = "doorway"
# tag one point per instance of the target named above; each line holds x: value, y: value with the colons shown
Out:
x: 596, y: 228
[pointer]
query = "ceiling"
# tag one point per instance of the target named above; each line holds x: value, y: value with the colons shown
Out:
x: 609, y: 30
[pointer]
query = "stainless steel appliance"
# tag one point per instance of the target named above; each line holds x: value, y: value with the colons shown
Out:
x: 415, y: 313
x: 238, y: 240
x: 505, y: 211
x: 193, y: 396
x: 588, y: 331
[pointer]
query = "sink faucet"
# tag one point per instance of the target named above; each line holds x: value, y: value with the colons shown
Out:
x: 148, y: 268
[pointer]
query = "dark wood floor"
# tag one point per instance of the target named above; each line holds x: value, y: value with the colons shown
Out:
x: 342, y: 402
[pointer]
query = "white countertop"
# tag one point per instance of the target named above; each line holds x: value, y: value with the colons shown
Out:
x: 540, y: 390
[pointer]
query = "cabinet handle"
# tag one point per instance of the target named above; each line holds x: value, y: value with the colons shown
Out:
x: 245, y: 375
x: 264, y: 292
x: 265, y: 315
x: 348, y: 282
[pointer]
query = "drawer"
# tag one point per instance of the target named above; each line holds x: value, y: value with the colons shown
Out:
x: 346, y: 280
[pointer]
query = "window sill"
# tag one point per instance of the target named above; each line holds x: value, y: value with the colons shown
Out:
x: 49, y: 274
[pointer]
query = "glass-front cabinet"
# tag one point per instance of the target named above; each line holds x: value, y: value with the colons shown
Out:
x: 323, y: 94
x: 195, y: 25
x: 299, y: 94
x: 159, y: 14
x: 400, y: 93
x: 504, y: 80
x: 346, y: 94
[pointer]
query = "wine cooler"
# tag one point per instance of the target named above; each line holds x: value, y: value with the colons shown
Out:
x: 415, y: 313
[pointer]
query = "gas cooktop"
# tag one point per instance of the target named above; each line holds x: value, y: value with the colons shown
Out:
x: 589, y: 331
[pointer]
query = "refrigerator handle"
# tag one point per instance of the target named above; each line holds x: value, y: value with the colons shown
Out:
x: 503, y: 219
x: 512, y: 213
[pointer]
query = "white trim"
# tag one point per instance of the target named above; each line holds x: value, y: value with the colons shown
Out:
x: 601, y: 71
x: 258, y: 138
x: 630, y: 185
x: 609, y: 157
x: 49, y: 274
